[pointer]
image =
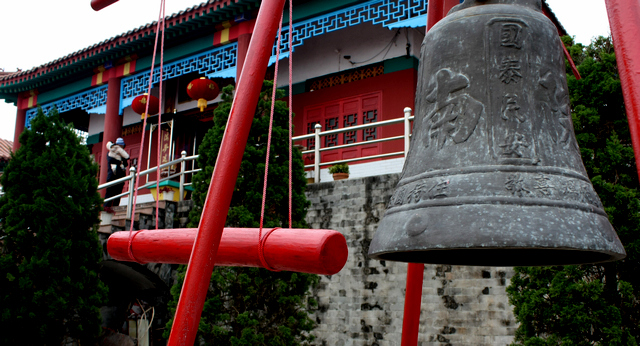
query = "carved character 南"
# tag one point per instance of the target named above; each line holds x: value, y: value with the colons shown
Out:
x: 455, y: 114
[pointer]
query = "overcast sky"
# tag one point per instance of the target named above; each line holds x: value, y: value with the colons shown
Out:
x: 39, y: 31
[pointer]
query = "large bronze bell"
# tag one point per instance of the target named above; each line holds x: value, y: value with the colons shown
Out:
x: 494, y: 175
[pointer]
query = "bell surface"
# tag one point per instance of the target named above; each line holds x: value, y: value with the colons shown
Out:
x: 494, y: 176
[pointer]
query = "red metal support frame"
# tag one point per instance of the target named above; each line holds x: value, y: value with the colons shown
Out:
x: 561, y: 32
x: 214, y: 215
x: 624, y: 19
x: 574, y: 69
x: 97, y: 5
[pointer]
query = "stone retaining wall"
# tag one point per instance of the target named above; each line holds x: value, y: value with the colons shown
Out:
x: 364, y: 303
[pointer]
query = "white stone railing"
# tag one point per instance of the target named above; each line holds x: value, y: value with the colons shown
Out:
x: 317, y: 135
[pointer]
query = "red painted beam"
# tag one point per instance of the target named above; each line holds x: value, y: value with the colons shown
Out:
x: 97, y: 5
x: 223, y: 181
x: 314, y: 251
x: 624, y: 19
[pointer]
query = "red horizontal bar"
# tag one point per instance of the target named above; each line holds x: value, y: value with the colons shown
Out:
x: 315, y: 251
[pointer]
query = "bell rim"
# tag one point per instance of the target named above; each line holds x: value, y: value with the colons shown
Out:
x: 517, y: 256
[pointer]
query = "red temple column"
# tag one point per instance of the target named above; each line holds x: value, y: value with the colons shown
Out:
x: 21, y: 117
x: 624, y: 19
x: 448, y: 5
x: 243, y: 47
x: 434, y: 12
x: 112, y: 124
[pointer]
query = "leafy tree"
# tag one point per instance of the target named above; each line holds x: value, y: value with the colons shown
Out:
x: 591, y: 305
x: 251, y: 306
x: 49, y: 285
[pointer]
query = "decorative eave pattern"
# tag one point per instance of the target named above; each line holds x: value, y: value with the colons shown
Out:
x: 83, y: 61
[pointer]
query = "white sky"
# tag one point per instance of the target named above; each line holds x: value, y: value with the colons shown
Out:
x: 39, y: 31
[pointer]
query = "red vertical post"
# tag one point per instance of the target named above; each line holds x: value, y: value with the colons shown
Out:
x: 412, y: 302
x: 112, y: 124
x: 415, y: 271
x: 624, y: 19
x: 214, y: 214
x: 21, y: 118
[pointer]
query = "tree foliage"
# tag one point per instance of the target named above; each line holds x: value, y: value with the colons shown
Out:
x: 49, y: 285
x: 250, y: 306
x: 591, y: 305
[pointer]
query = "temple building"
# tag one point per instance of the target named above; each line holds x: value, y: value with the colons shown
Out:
x: 355, y: 63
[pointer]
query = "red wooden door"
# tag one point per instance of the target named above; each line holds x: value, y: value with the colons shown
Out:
x: 345, y: 113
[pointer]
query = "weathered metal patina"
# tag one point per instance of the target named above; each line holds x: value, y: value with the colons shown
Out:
x: 494, y: 174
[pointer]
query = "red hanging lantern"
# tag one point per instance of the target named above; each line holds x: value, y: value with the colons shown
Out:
x: 139, y: 105
x: 203, y: 90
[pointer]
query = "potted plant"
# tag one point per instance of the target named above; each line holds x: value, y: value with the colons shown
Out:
x: 339, y: 171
